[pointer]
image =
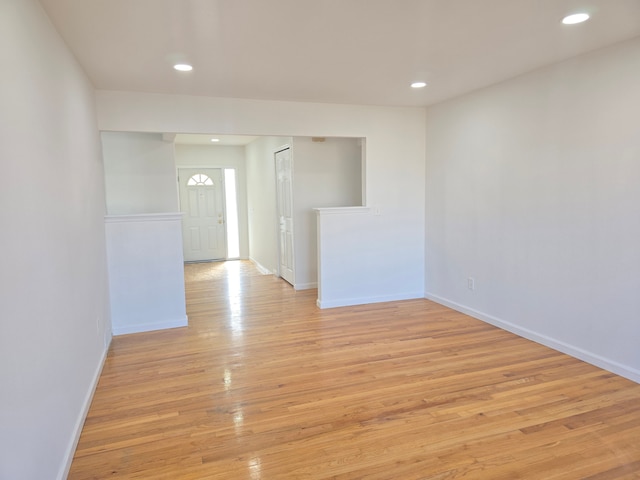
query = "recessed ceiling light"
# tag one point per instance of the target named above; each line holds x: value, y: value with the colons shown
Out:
x: 183, y: 67
x: 575, y: 18
x: 215, y: 139
x: 418, y: 84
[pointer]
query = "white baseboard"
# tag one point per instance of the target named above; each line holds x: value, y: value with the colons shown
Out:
x: 577, y: 352
x: 348, y: 302
x: 71, y: 449
x: 263, y: 270
x: 305, y: 286
x: 148, y: 327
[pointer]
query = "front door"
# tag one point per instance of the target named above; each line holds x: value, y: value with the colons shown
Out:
x: 284, y: 189
x: 203, y: 223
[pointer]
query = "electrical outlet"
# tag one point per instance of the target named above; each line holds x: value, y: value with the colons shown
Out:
x: 471, y: 283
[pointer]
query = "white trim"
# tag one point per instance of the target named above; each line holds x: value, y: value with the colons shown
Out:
x: 579, y: 353
x: 342, y: 210
x: 347, y: 302
x: 262, y: 269
x: 148, y: 327
x: 71, y: 448
x: 305, y: 286
x: 144, y: 217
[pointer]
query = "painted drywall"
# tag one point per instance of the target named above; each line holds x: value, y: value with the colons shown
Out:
x: 261, y: 201
x: 146, y: 272
x: 221, y: 157
x: 54, y: 316
x: 343, y: 232
x: 140, y: 174
x: 394, y: 174
x: 532, y: 189
x: 326, y: 174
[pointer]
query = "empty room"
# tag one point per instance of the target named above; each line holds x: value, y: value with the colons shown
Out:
x: 294, y: 239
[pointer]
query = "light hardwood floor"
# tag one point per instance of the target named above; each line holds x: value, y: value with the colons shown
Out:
x: 264, y: 385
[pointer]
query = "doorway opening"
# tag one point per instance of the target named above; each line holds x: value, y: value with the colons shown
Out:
x: 201, y: 201
x: 209, y: 201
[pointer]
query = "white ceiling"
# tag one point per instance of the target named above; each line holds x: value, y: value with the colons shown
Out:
x: 338, y: 51
x: 224, y: 140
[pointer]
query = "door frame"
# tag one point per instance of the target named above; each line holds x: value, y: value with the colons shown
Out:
x: 224, y: 201
x: 281, y: 148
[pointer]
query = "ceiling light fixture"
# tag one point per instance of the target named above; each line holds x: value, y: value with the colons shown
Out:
x: 215, y: 139
x: 418, y: 84
x: 575, y: 18
x: 183, y: 67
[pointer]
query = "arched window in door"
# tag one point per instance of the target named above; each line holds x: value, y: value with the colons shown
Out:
x: 200, y: 179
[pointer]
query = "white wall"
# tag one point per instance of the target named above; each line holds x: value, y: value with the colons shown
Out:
x: 140, y: 175
x: 221, y: 157
x: 261, y: 201
x: 326, y: 174
x: 533, y: 189
x: 54, y: 318
x: 146, y: 272
x: 394, y: 174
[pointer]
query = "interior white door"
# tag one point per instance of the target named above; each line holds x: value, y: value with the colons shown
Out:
x: 203, y: 222
x: 284, y: 190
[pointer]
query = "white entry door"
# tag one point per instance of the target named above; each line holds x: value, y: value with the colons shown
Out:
x: 284, y: 188
x: 203, y: 222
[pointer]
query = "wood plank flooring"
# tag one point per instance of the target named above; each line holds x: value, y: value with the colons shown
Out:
x: 264, y: 385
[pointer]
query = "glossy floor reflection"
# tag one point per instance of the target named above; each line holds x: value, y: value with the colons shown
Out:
x: 264, y: 385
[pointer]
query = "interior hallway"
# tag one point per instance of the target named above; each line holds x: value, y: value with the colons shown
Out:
x: 264, y: 385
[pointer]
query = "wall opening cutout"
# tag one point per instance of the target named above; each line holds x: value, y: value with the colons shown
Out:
x: 231, y: 210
